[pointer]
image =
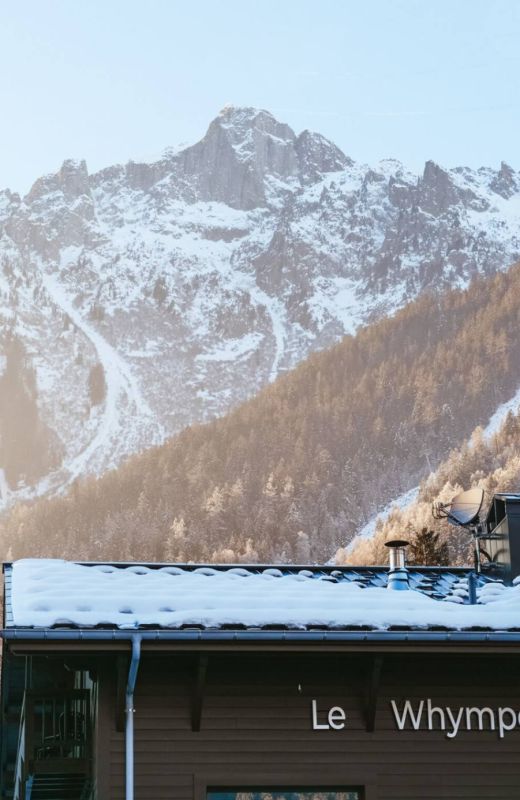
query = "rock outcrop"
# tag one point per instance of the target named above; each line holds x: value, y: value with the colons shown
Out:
x: 193, y: 281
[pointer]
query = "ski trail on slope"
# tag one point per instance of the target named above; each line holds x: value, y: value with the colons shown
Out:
x: 276, y: 313
x: 121, y: 387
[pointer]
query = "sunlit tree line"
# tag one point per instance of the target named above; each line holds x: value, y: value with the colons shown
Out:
x: 291, y: 474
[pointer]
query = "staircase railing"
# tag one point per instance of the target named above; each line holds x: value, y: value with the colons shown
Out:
x: 55, y: 737
x: 20, y: 757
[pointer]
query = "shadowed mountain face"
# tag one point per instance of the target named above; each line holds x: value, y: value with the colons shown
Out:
x: 150, y: 296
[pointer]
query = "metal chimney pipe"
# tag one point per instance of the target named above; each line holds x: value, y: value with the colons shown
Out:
x: 398, y: 574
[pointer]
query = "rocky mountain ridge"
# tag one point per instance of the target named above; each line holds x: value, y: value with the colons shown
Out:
x: 148, y: 296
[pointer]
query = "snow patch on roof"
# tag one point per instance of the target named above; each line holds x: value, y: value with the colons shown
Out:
x: 47, y: 592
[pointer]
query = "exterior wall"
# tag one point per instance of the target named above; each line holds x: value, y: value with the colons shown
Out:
x: 256, y: 727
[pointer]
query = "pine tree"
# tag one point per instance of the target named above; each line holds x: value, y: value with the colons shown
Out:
x: 426, y: 550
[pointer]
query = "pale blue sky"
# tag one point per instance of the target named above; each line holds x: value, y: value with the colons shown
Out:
x: 110, y: 80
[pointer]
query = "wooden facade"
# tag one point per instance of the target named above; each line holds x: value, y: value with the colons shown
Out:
x: 242, y: 717
x: 257, y: 710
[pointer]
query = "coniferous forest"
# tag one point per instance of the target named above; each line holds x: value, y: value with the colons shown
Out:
x: 293, y: 473
x: 490, y: 462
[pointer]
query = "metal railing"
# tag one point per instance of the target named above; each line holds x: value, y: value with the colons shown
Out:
x: 20, y: 757
x: 55, y: 737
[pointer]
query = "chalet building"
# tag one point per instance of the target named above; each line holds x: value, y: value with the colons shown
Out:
x: 186, y: 682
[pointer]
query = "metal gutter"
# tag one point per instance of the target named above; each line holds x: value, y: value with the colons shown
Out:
x: 215, y: 636
x: 130, y: 710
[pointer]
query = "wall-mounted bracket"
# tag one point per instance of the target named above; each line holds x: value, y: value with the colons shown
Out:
x: 372, y: 692
x: 197, y: 697
x: 121, y: 676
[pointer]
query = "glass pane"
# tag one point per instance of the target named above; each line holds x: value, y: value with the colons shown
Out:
x: 285, y: 794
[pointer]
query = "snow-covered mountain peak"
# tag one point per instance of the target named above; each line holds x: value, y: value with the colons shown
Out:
x: 242, y: 150
x: 248, y: 157
x: 153, y: 295
x: 318, y: 156
x: 72, y: 180
x: 242, y: 118
x: 506, y: 182
x: 252, y: 133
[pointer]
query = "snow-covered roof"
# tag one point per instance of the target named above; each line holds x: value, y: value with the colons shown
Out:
x: 48, y: 593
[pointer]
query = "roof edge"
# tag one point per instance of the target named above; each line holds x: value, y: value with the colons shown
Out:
x: 192, y: 566
x: 259, y: 637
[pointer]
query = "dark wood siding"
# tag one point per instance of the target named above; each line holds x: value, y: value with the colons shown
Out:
x: 256, y: 727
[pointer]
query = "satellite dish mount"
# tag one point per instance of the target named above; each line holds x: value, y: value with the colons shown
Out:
x: 463, y: 511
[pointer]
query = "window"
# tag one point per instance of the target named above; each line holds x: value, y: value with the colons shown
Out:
x: 284, y: 794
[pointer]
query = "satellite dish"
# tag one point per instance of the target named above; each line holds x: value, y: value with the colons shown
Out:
x: 463, y: 510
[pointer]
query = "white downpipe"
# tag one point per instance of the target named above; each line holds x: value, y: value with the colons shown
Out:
x: 130, y: 710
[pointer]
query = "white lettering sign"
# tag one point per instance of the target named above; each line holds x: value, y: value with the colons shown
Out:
x: 452, y: 721
x: 335, y: 718
x: 424, y: 715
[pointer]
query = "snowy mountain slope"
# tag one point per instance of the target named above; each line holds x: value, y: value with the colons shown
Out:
x: 409, y: 498
x: 489, y: 459
x: 195, y: 280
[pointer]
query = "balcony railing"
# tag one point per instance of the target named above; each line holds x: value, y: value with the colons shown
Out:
x: 55, y: 743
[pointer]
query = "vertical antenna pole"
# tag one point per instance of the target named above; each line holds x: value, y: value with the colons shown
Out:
x: 472, y: 588
x: 477, y: 549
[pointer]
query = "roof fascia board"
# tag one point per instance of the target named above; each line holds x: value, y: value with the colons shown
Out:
x: 230, y: 639
x: 168, y: 648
